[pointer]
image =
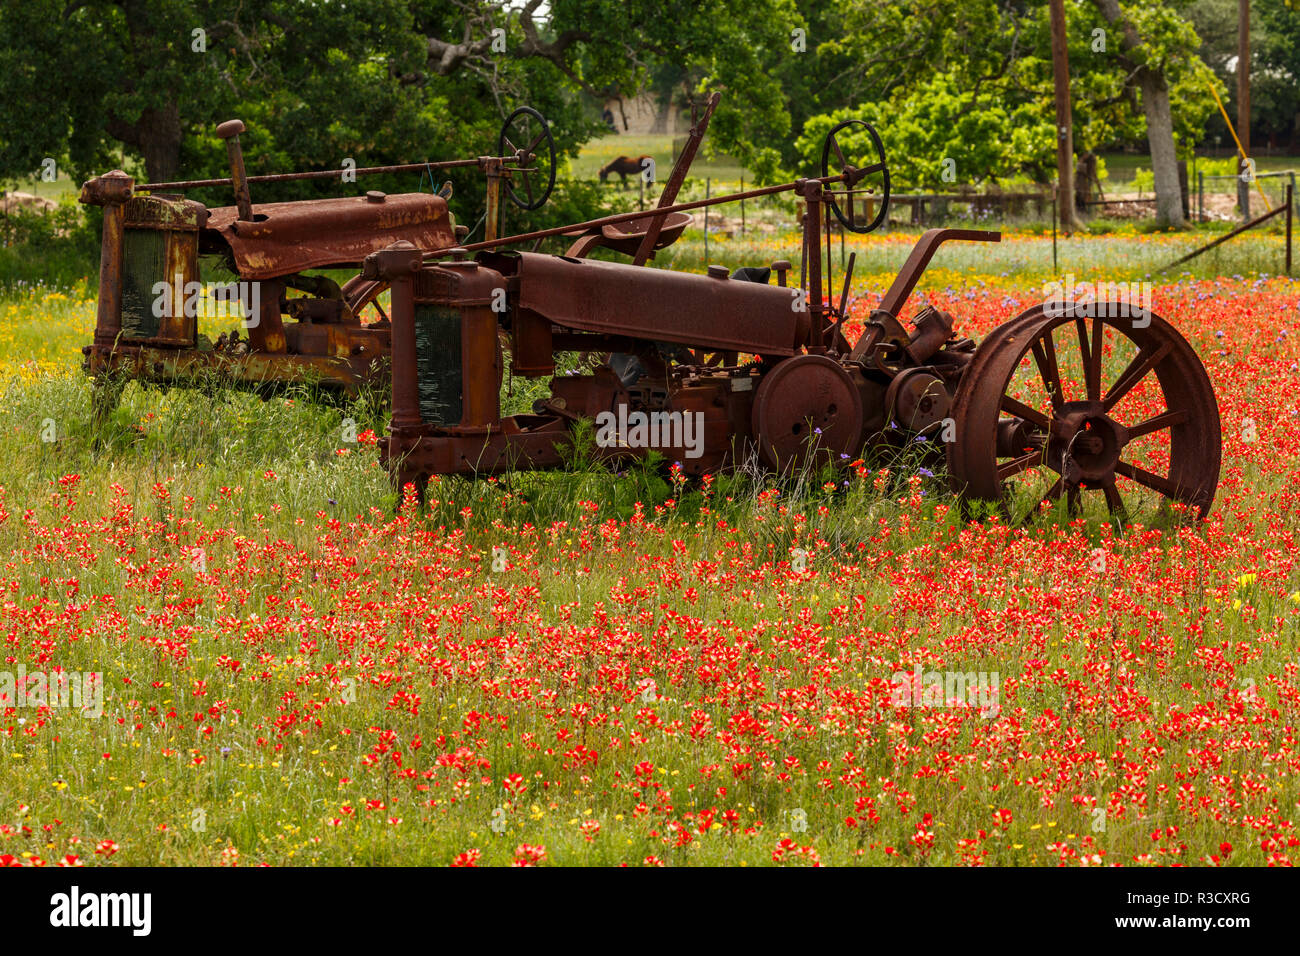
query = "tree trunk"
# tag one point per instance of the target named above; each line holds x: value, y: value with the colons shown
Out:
x: 1064, y: 120
x: 1164, y: 158
x: 1160, y: 123
x: 159, y: 132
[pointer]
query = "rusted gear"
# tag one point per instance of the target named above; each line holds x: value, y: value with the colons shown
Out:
x: 1033, y: 420
x: 807, y: 405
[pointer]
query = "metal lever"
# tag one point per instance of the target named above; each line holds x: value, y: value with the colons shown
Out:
x: 229, y: 131
x: 844, y: 298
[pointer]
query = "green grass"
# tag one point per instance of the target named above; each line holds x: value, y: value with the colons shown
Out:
x: 63, y: 187
x: 598, y: 152
x: 1120, y: 167
x: 1027, y: 257
x: 309, y: 583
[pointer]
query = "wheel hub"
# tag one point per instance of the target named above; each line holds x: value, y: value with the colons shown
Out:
x: 1085, y: 443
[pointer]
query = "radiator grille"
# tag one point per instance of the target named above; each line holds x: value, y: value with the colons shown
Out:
x: 437, y: 355
x: 143, y: 264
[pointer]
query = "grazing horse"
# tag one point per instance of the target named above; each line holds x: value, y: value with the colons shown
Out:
x: 625, y: 166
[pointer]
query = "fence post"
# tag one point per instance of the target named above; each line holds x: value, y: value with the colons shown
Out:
x: 1290, y: 193
x: 742, y: 207
x: 1200, y: 195
x: 1056, y: 189
x: 1243, y: 191
x: 1183, y: 190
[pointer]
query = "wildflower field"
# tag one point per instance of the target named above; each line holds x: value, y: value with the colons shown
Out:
x: 590, y: 668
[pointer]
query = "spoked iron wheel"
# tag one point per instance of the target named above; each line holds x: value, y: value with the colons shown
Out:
x: 1112, y: 414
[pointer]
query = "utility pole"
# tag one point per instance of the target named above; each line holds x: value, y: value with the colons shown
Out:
x: 1064, y: 123
x: 1243, y: 104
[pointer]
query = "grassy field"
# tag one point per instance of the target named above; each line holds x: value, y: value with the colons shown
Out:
x: 1021, y: 256
x: 61, y: 188
x: 1120, y: 167
x: 590, y: 668
x: 600, y: 151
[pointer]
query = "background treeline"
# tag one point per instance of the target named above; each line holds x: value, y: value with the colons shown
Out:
x: 141, y: 84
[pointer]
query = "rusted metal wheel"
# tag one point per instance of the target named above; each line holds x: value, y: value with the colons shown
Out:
x: 806, y: 407
x: 1054, y: 405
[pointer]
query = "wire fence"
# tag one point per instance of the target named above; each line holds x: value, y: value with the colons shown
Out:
x: 1266, y: 189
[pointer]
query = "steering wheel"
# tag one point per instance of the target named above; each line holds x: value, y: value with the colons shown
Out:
x: 855, y: 173
x: 526, y: 125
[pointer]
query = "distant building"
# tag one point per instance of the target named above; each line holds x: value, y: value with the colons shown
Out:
x: 645, y: 114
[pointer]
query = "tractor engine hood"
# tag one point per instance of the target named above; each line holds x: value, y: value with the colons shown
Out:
x: 285, y: 238
x: 615, y: 298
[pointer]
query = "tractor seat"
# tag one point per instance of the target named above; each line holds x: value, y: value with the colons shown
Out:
x: 761, y: 274
x: 625, y: 237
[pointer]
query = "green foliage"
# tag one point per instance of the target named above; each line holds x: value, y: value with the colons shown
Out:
x: 985, y: 137
x: 974, y: 84
x: 59, y: 248
x: 377, y: 81
x: 394, y: 81
x: 1218, y: 167
x: 1275, y: 92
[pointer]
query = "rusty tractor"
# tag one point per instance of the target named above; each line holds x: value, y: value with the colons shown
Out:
x: 1067, y: 402
x: 338, y: 336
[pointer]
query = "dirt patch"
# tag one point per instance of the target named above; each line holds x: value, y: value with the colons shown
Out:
x: 11, y: 202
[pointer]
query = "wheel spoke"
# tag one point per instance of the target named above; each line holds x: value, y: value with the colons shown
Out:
x: 1045, y: 358
x: 1152, y: 481
x: 533, y: 145
x: 1053, y: 493
x: 1137, y: 369
x: 1017, y: 465
x: 835, y: 145
x: 528, y: 187
x: 1114, y: 500
x: 1166, y: 420
x: 514, y: 150
x: 1082, y: 332
x: 1094, y: 361
x: 1019, y: 408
